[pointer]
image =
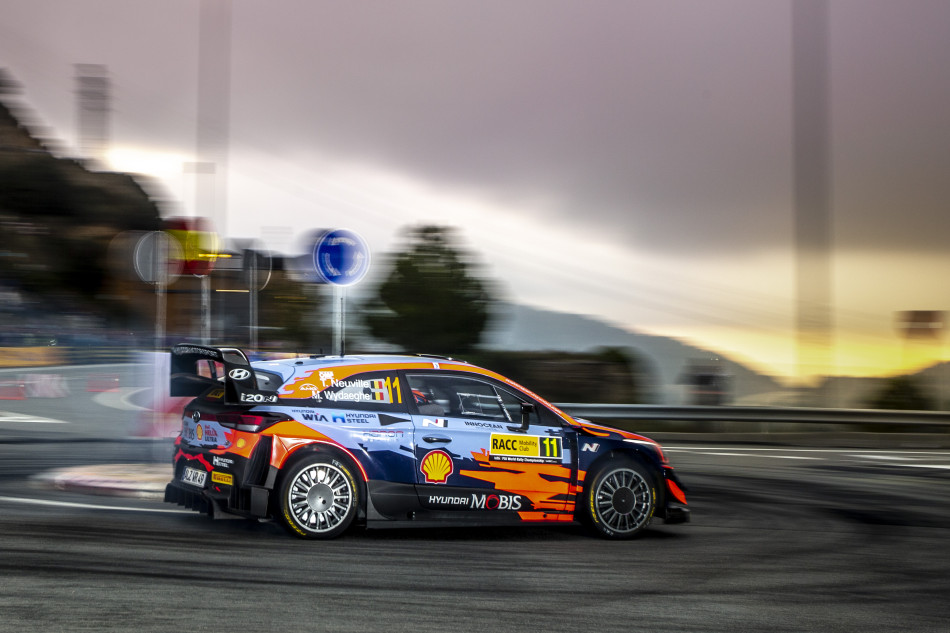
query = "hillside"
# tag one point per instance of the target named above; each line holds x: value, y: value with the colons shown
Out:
x: 519, y: 327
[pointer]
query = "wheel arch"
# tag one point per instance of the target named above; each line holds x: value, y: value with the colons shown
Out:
x: 325, y: 449
x: 319, y: 447
x: 633, y: 451
x: 615, y: 510
x: 639, y: 455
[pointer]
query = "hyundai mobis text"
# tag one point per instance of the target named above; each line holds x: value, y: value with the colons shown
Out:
x: 323, y: 443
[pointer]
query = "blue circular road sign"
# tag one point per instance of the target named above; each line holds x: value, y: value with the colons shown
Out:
x: 341, y: 257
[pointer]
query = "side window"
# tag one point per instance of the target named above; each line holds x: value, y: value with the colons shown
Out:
x: 461, y: 396
x: 456, y: 396
x: 513, y: 406
x: 372, y: 390
x: 541, y: 415
x: 479, y: 400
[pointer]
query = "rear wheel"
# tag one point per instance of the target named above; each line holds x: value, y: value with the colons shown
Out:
x: 620, y: 499
x: 318, y: 498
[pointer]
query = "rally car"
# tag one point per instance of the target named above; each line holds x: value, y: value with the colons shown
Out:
x: 321, y: 443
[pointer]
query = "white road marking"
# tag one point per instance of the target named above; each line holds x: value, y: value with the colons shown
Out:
x: 896, y: 458
x: 851, y: 451
x: 120, y: 399
x: 793, y: 457
x: 88, y: 506
x: 22, y: 418
x: 760, y: 455
x: 880, y: 456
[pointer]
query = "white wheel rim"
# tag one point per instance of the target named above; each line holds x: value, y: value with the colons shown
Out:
x: 623, y: 500
x: 320, y: 497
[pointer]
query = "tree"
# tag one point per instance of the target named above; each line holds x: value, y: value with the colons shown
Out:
x: 289, y: 310
x: 902, y: 393
x: 431, y: 301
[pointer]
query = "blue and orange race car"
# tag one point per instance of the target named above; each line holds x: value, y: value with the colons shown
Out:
x: 321, y: 443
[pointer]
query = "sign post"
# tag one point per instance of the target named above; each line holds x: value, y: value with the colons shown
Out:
x: 341, y: 258
x: 199, y: 251
x: 157, y: 261
x: 257, y: 271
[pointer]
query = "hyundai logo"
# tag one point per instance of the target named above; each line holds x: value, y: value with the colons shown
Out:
x: 239, y: 374
x: 196, y: 416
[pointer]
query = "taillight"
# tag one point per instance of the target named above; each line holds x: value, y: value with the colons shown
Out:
x: 251, y: 422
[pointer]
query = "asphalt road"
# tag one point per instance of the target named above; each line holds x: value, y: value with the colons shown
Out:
x: 782, y: 539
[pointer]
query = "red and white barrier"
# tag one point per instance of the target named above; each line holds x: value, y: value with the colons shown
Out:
x: 12, y: 390
x: 45, y: 386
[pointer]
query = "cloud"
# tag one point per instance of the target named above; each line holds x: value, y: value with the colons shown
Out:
x: 657, y: 134
x: 665, y: 127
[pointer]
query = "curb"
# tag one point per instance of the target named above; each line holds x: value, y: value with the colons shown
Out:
x: 141, y: 481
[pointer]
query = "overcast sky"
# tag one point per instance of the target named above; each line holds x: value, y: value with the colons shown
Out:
x: 630, y: 160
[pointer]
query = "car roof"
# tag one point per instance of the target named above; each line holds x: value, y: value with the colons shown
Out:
x: 320, y: 360
x: 295, y: 367
x: 289, y: 366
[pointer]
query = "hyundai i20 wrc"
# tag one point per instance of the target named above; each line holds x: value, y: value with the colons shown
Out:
x: 321, y: 443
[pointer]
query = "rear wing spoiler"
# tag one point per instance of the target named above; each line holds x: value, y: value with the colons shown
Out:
x: 197, y: 368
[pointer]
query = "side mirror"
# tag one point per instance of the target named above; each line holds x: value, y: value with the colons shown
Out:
x: 527, y: 408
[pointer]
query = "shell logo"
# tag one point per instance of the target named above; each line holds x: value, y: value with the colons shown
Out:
x: 199, y: 432
x: 436, y: 466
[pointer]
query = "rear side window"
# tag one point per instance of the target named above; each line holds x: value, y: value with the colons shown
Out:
x: 268, y: 380
x: 380, y: 391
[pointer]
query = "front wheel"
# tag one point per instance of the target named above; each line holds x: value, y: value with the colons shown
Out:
x: 318, y: 498
x: 620, y: 499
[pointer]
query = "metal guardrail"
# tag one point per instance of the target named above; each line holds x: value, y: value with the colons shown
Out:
x: 798, y: 415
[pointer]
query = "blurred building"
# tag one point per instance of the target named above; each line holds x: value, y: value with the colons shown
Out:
x: 707, y: 383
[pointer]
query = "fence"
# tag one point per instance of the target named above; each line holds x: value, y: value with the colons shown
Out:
x: 759, y: 415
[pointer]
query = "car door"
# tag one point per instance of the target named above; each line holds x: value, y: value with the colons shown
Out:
x: 473, y: 451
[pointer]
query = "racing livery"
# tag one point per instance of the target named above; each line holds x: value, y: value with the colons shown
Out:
x: 322, y: 442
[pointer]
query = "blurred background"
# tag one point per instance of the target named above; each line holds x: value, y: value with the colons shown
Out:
x: 641, y: 202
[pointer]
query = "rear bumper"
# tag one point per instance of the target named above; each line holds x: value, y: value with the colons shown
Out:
x: 188, y: 497
x: 234, y: 485
x: 251, y: 502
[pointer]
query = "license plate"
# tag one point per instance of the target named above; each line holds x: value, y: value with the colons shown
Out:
x: 194, y: 477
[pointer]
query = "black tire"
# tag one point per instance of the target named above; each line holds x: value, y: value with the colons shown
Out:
x: 318, y: 497
x: 620, y: 499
